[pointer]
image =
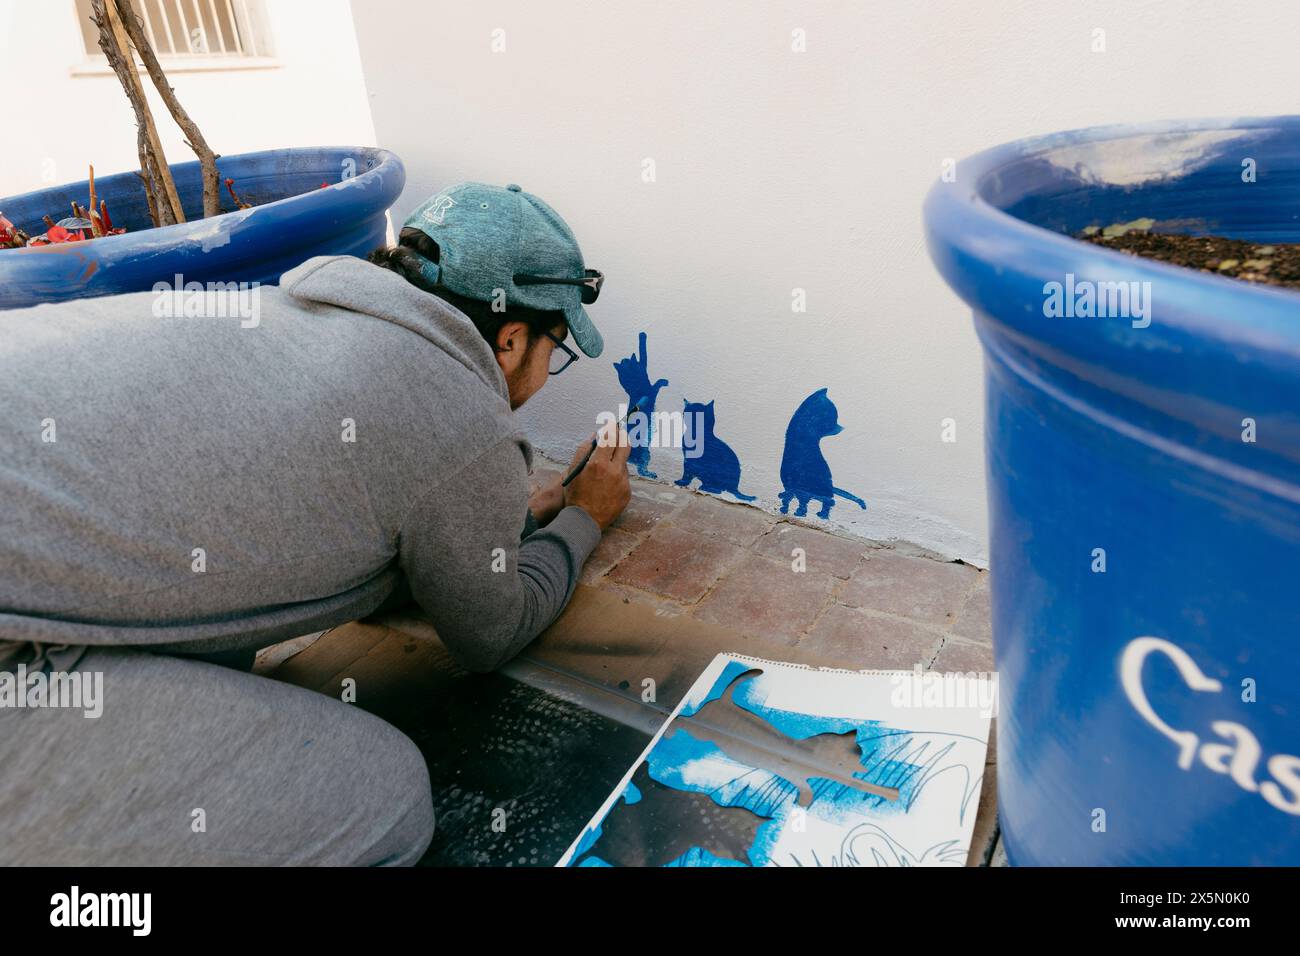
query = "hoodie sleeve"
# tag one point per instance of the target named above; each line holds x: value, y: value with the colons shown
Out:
x: 530, y: 524
x: 487, y: 592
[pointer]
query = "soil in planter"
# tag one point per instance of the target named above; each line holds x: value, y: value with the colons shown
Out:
x: 1277, y: 264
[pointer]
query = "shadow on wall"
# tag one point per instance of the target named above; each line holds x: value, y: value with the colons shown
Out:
x: 706, y: 458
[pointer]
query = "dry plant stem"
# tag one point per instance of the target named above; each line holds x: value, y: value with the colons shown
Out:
x: 194, y: 138
x: 148, y: 195
x: 165, y: 212
x: 151, y: 190
x: 96, y: 227
x: 114, y: 42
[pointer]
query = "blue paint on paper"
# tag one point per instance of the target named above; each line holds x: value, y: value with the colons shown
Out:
x: 635, y: 380
x: 589, y: 837
x: 761, y: 792
x: 890, y: 757
x: 880, y: 746
x: 805, y: 474
x: 698, y: 856
x: 751, y: 695
x: 715, y: 465
x: 631, y: 794
x: 729, y: 673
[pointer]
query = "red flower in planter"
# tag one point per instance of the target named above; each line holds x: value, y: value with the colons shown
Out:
x: 59, y: 234
x: 11, y: 237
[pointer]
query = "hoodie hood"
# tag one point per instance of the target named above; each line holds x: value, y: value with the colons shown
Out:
x: 360, y: 286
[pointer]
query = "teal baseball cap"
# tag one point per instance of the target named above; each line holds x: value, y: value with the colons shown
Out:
x: 499, y: 241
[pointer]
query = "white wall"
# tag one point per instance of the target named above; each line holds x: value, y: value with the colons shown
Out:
x: 57, y: 116
x: 779, y: 170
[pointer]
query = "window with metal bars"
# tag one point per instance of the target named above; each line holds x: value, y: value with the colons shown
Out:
x: 193, y: 28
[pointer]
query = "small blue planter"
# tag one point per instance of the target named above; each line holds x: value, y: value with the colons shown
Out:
x: 292, y: 219
x: 1150, y: 712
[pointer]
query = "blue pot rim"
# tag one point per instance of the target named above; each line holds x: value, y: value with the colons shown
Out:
x: 987, y: 255
x: 305, y: 204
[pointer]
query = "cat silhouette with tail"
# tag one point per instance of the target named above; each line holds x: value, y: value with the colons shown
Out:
x: 804, y: 472
x: 715, y: 466
x: 636, y: 382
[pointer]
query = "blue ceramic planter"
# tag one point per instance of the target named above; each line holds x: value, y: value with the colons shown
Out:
x: 292, y: 219
x: 1150, y: 711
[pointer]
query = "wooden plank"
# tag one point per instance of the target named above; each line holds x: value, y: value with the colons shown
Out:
x: 317, y: 666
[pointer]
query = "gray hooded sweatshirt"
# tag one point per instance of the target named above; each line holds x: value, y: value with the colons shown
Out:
x: 208, y: 484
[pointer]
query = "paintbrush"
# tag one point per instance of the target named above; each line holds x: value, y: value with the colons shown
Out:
x: 590, y: 451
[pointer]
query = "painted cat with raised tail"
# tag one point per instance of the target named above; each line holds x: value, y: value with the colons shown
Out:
x: 804, y: 472
x: 716, y: 466
x: 633, y: 377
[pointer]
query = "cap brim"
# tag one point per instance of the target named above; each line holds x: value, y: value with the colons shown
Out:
x: 584, y: 331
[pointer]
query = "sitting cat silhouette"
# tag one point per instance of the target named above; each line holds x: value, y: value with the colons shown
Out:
x: 636, y: 382
x: 804, y: 472
x: 715, y: 465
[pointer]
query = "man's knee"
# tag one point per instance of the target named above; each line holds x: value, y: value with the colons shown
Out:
x: 286, y: 775
x: 399, y: 802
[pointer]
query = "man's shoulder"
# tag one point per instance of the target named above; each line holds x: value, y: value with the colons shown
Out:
x: 326, y: 266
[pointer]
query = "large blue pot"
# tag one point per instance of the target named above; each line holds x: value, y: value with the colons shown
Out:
x: 1150, y: 712
x: 292, y: 219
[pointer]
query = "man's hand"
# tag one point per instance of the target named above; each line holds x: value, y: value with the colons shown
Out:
x: 601, y: 489
x: 546, y: 500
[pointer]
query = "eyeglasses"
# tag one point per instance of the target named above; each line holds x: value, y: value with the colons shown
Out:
x: 561, y: 356
x: 591, y: 282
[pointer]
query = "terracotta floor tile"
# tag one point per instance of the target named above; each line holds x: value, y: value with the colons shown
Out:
x: 974, y: 620
x: 766, y: 599
x: 823, y: 552
x: 644, y: 512
x: 921, y: 589
x: 676, y: 563
x: 614, y: 547
x: 716, y: 518
x: 964, y: 657
x: 875, y: 641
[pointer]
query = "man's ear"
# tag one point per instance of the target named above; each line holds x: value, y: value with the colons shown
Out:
x: 512, y: 337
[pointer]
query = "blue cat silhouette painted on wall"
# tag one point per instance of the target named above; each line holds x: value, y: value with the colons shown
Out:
x: 636, y: 382
x: 804, y: 472
x: 716, y: 465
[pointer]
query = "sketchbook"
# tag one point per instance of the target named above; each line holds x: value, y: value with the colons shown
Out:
x: 765, y: 763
